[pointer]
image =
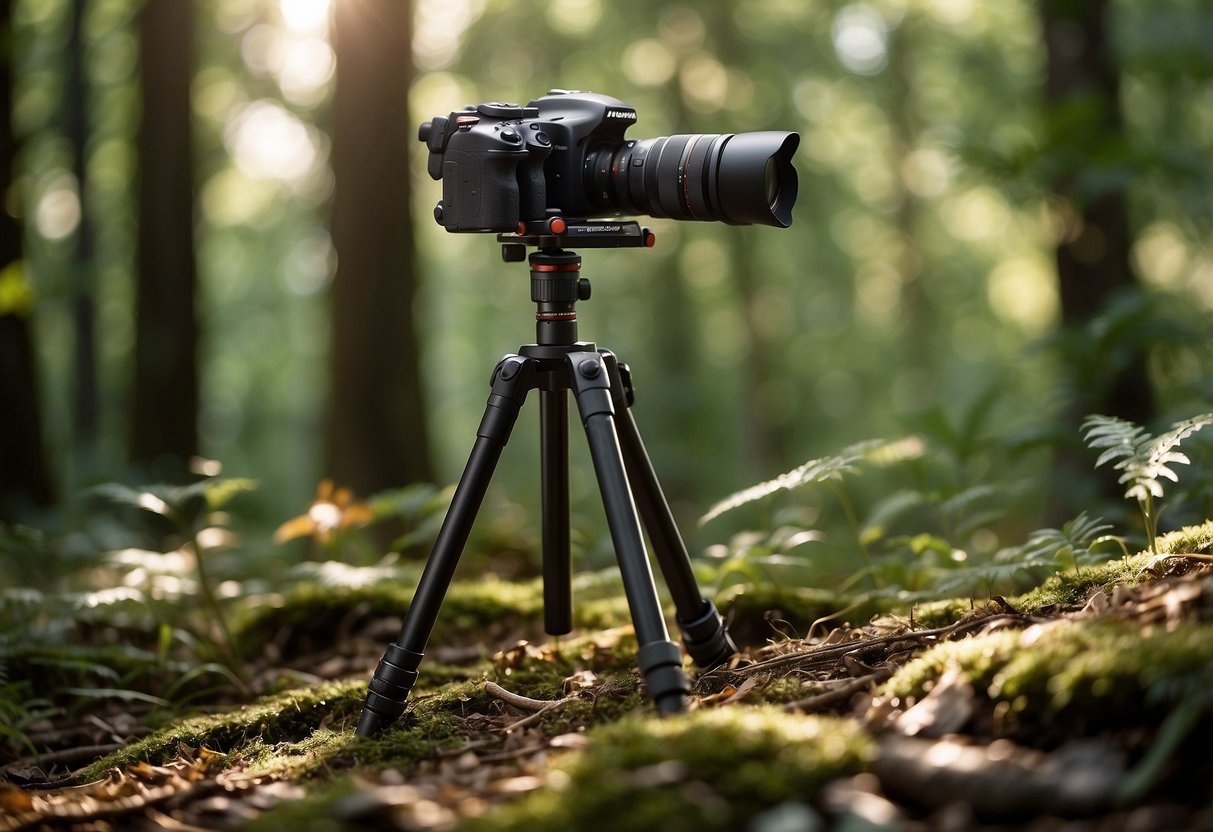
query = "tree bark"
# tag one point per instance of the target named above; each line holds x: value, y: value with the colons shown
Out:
x: 1082, y: 89
x: 24, y: 480
x: 1094, y: 236
x: 84, y: 392
x: 164, y: 428
x: 377, y: 435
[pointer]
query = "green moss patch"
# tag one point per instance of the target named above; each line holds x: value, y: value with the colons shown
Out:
x: 1072, y: 588
x: 307, y: 730
x: 489, y: 610
x: 1188, y: 540
x: 1080, y: 677
x: 707, y: 770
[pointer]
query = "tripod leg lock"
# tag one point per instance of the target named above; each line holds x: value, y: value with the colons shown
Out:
x: 389, y: 688
x: 661, y: 666
x: 706, y: 638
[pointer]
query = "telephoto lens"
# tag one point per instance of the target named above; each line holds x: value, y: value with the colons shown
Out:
x: 739, y: 178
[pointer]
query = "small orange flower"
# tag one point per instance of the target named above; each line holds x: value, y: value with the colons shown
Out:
x: 332, y: 510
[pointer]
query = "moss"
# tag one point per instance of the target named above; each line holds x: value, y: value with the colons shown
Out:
x: 489, y: 610
x: 706, y: 770
x: 1086, y: 676
x: 942, y: 613
x: 1070, y: 588
x: 304, y: 731
x: 1188, y: 540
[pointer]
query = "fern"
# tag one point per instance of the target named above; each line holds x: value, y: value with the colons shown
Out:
x: 1145, y: 460
x: 1045, y: 552
x: 835, y: 467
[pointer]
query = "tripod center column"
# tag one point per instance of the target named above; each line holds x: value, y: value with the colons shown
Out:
x: 556, y: 286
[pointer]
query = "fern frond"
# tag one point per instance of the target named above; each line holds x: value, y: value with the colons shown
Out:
x: 833, y: 467
x: 1144, y: 459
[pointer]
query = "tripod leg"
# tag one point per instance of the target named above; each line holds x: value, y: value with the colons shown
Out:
x: 396, y: 673
x: 554, y: 470
x: 659, y: 658
x: 703, y: 631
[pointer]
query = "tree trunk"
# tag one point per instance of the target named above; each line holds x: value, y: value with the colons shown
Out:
x: 377, y: 435
x: 1094, y: 237
x: 165, y: 405
x: 1093, y: 234
x: 84, y: 383
x: 24, y: 480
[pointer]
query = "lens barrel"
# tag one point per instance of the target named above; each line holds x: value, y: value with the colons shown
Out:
x: 739, y: 178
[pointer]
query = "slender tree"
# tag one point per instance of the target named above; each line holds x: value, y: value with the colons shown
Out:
x: 1082, y: 89
x: 24, y: 480
x: 1082, y: 92
x: 377, y: 434
x: 84, y: 399
x: 165, y: 405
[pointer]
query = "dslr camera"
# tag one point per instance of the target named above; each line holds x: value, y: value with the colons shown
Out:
x: 504, y: 167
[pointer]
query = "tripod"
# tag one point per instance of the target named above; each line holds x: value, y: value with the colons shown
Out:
x: 631, y: 494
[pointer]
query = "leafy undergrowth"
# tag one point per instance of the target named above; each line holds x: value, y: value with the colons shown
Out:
x: 1084, y: 704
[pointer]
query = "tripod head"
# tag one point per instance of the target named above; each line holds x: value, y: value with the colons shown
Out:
x: 556, y: 284
x: 555, y: 232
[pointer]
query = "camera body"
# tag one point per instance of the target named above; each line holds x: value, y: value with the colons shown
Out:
x: 565, y: 153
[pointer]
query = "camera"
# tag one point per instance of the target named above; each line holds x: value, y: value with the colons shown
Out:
x: 504, y: 166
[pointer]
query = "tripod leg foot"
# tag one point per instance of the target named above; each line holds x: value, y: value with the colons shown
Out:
x: 390, y: 685
x: 706, y: 638
x: 660, y: 665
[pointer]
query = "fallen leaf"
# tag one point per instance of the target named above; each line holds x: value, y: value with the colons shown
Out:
x: 944, y: 710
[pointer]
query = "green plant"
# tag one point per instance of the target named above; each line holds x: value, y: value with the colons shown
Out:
x: 1045, y: 552
x: 1144, y: 460
x: 18, y: 709
x: 755, y: 548
x: 193, y: 511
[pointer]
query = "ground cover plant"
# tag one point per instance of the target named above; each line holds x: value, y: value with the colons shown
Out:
x: 1061, y: 681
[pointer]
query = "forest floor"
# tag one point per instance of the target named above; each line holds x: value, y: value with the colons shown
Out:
x: 1086, y: 704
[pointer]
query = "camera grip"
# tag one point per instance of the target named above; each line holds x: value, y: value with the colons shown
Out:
x: 533, y: 188
x: 480, y: 191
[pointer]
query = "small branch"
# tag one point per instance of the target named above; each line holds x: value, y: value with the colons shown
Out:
x: 826, y: 654
x: 527, y: 720
x: 1188, y: 555
x: 840, y: 693
x: 66, y: 756
x: 524, y: 703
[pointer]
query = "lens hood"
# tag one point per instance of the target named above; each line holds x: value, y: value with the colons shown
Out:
x: 755, y: 180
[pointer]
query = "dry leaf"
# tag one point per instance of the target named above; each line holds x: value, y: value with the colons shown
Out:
x: 944, y: 710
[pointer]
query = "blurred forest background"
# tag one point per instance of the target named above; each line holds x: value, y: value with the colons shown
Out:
x: 217, y: 242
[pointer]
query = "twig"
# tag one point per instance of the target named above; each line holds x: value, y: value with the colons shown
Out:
x: 834, y: 652
x: 517, y: 700
x: 840, y: 693
x: 1188, y: 555
x: 527, y: 721
x: 65, y: 756
x: 525, y: 703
